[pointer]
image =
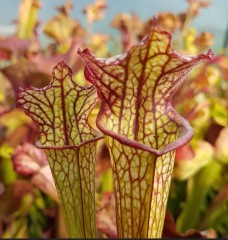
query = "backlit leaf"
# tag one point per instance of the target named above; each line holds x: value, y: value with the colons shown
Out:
x: 61, y: 111
x: 142, y: 128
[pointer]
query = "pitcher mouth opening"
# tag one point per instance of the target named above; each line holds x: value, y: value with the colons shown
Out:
x: 185, y: 135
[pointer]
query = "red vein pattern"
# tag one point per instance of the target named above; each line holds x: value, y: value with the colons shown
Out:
x: 142, y: 128
x: 61, y: 112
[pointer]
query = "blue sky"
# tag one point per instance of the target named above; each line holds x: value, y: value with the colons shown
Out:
x: 214, y: 18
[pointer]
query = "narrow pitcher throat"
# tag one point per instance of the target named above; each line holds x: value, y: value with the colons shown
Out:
x: 142, y: 181
x: 76, y: 146
x: 184, y: 128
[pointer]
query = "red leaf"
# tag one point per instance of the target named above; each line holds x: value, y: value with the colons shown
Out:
x: 28, y: 160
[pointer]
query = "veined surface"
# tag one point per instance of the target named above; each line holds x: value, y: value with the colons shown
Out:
x: 61, y: 112
x: 142, y: 127
x: 136, y: 90
x: 142, y: 183
x: 74, y: 173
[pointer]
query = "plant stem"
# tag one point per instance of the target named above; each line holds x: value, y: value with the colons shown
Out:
x: 198, y: 187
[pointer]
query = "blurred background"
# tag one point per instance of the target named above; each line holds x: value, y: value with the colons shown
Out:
x: 213, y: 19
x: 36, y: 35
